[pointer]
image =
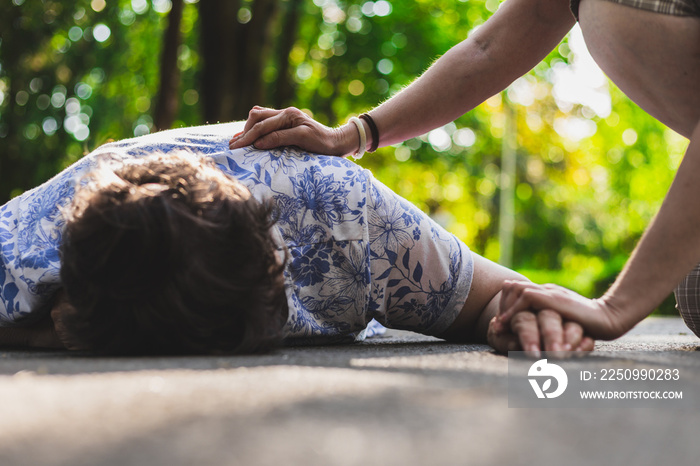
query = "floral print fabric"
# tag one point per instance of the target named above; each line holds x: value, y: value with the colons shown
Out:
x: 357, y: 251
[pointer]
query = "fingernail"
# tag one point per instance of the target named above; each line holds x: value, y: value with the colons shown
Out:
x: 567, y: 347
x: 237, y: 135
x: 535, y: 351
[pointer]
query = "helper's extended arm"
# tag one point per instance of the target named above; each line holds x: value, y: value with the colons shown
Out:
x: 510, y: 43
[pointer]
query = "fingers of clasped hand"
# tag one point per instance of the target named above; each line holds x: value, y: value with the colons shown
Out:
x: 597, y: 318
x: 267, y: 128
x: 533, y: 332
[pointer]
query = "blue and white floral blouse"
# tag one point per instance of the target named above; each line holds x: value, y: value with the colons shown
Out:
x: 357, y: 251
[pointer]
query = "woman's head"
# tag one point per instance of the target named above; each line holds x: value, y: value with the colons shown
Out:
x: 166, y: 254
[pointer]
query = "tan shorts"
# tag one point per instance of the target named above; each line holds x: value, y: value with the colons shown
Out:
x: 667, y: 7
x: 688, y: 300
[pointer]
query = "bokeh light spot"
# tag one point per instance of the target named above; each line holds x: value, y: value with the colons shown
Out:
x: 464, y: 137
x: 385, y: 66
x: 190, y: 97
x: 139, y: 6
x: 244, y: 15
x: 381, y: 8
x: 356, y: 87
x: 629, y: 136
x: 75, y: 33
x: 98, y: 5
x: 49, y: 125
x: 101, y: 32
x: 162, y: 6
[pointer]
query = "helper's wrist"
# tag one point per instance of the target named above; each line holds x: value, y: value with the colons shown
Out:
x: 347, y: 141
x: 349, y: 138
x: 618, y: 313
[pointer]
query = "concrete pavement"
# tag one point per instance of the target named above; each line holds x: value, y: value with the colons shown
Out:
x: 400, y: 399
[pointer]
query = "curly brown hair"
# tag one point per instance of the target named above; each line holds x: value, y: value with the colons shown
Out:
x: 166, y: 254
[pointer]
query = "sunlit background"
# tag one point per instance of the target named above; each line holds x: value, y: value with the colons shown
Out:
x: 579, y: 168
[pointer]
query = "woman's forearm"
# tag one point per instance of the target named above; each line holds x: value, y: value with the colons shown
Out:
x: 517, y: 37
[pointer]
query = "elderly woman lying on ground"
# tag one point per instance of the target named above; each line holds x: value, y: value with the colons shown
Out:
x: 172, y: 243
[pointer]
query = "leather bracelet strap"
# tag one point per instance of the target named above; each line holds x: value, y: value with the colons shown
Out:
x: 373, y: 129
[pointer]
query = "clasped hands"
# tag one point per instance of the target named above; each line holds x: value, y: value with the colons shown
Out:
x: 534, y: 317
x: 537, y: 331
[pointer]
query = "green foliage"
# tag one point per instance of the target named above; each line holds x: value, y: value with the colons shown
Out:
x: 74, y: 75
x: 582, y: 202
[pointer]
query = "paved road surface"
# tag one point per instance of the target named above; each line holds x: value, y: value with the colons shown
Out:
x: 402, y: 399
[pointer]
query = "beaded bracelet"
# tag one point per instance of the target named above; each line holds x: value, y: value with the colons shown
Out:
x: 363, y: 137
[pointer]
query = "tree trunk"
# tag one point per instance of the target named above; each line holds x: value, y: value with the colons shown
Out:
x: 167, y: 101
x: 15, y: 171
x: 283, y: 91
x: 234, y: 55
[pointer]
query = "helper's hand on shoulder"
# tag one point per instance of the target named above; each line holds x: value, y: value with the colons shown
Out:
x: 599, y: 317
x: 267, y: 128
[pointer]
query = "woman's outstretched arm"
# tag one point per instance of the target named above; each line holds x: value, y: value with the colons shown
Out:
x: 531, y: 332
